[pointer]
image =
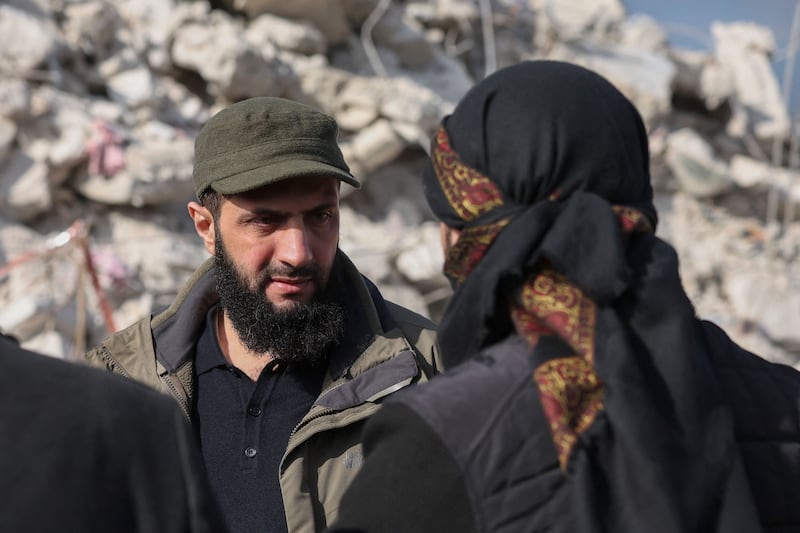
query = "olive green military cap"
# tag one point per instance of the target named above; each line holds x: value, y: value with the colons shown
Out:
x: 262, y: 140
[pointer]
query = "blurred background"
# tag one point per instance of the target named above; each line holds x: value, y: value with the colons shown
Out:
x: 688, y: 23
x: 100, y: 102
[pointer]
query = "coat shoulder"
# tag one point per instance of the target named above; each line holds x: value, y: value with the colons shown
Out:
x: 421, y: 333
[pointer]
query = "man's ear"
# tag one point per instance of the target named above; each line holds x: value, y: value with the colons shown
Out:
x: 203, y: 224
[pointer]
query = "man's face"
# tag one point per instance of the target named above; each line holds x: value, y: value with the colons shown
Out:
x: 282, y: 238
x: 274, y: 250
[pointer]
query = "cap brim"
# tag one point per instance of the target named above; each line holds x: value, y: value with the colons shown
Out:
x: 268, y: 174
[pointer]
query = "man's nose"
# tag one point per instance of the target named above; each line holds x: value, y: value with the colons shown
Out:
x: 293, y: 246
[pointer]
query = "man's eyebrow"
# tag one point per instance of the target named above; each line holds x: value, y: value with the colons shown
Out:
x: 266, y: 211
x: 323, y: 205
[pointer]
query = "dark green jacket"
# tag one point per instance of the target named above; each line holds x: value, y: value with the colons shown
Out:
x: 397, y: 348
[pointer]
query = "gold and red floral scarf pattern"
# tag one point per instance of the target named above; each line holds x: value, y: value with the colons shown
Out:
x: 570, y: 390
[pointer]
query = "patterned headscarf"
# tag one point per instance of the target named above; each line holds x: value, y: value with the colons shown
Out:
x: 544, y: 169
x: 542, y: 151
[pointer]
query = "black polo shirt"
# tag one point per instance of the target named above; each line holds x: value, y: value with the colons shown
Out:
x: 244, y: 428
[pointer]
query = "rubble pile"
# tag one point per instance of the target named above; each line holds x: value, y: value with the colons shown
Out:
x: 100, y: 103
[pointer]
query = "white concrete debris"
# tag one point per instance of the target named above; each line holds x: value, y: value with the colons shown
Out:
x: 751, y: 290
x: 15, y: 97
x: 56, y: 135
x: 158, y: 232
x: 133, y: 87
x: 577, y: 19
x: 154, y: 171
x: 295, y: 36
x: 645, y: 77
x: 642, y: 31
x: 375, y: 146
x: 737, y: 277
x: 405, y: 38
x: 420, y: 257
x: 92, y: 27
x: 751, y: 173
x: 694, y: 165
x: 366, y: 243
x: 744, y: 50
x: 701, y: 78
x: 216, y: 48
x: 28, y: 38
x: 52, y: 343
x: 24, y: 187
x: 329, y: 17
x: 100, y: 103
x: 8, y: 131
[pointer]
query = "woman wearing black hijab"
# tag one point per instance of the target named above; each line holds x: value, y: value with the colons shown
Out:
x: 581, y: 392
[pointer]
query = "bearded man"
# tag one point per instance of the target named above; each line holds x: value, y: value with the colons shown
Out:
x: 277, y: 349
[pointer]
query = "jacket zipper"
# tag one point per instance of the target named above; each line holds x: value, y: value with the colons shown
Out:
x: 307, y: 421
x: 113, y: 365
x: 177, y: 395
x: 303, y: 423
x: 118, y: 369
x: 327, y: 412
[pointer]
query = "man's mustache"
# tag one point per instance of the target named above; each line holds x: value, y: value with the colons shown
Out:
x: 310, y: 270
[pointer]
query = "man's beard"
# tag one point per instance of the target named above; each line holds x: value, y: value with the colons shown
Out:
x: 301, y: 334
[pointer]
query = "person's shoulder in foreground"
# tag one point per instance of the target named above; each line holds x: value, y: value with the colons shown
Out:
x: 83, y: 451
x: 580, y: 392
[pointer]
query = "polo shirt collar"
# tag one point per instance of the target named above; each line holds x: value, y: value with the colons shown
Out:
x: 209, y: 354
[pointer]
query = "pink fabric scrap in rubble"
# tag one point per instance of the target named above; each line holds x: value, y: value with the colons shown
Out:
x: 105, y: 149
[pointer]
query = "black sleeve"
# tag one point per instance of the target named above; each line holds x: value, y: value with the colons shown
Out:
x: 93, y: 452
x: 409, y: 481
x: 154, y: 452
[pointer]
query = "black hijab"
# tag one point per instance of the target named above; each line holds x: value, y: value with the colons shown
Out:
x: 544, y: 168
x: 542, y: 130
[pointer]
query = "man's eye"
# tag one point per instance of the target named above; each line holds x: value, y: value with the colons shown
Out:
x: 265, y: 221
x: 322, y: 217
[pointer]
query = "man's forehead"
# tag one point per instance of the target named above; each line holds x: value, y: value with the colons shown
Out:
x: 303, y: 190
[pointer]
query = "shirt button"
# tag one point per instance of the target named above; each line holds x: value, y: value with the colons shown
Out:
x: 250, y: 452
x: 254, y: 410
